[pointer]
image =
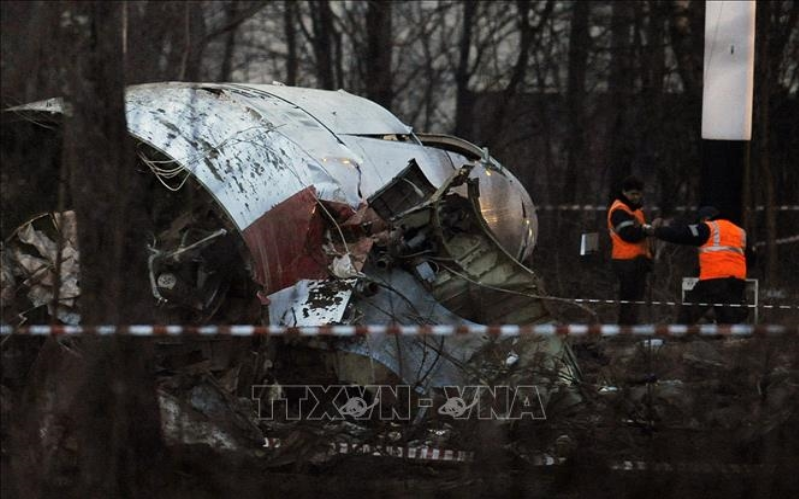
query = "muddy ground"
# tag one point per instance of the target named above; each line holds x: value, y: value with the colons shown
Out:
x: 680, y: 418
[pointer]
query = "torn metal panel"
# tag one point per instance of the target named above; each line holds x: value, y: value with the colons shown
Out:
x: 255, y: 146
x: 399, y: 298
x: 405, y: 191
x: 476, y: 277
x: 505, y: 204
x: 55, y: 106
x: 286, y: 242
x: 341, y: 112
x: 507, y: 210
x: 310, y: 303
x: 241, y: 159
x: 426, y: 362
x: 307, y: 133
x: 385, y: 159
x: 291, y: 167
x: 468, y: 270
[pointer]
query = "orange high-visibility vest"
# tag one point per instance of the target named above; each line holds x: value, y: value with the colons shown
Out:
x: 723, y: 253
x: 622, y: 250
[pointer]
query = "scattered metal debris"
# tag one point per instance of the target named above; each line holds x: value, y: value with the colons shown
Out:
x: 311, y: 208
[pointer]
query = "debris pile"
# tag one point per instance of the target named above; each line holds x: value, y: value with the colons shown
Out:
x: 28, y: 263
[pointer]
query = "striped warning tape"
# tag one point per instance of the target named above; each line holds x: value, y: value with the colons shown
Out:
x: 738, y: 330
x: 676, y: 303
x: 427, y: 453
x: 784, y: 240
x: 695, y: 467
x: 604, y: 207
x: 417, y: 453
x: 422, y: 453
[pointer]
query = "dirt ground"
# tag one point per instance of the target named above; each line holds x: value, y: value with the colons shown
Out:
x: 679, y: 418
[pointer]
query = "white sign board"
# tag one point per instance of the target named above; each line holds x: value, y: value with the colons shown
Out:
x: 728, y: 70
x: 752, y: 293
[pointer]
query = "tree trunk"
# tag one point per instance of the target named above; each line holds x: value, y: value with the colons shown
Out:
x: 653, y: 61
x: 147, y: 36
x: 579, y: 41
x: 193, y: 42
x: 108, y: 393
x: 323, y: 42
x: 464, y: 98
x: 290, y: 30
x: 527, y: 35
x: 378, y: 53
x: 105, y: 190
x: 620, y: 85
x: 686, y: 28
x: 231, y: 13
x: 764, y: 89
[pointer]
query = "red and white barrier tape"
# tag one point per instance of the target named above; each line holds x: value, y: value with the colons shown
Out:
x: 426, y: 453
x: 697, y: 467
x: 418, y: 453
x: 604, y: 207
x: 676, y: 303
x: 784, y: 240
x: 739, y: 330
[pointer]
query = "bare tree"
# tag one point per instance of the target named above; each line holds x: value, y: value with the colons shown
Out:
x: 110, y: 396
x: 464, y: 100
x: 290, y: 28
x: 579, y: 41
x: 620, y: 89
x: 378, y: 53
x: 323, y: 38
x: 231, y: 13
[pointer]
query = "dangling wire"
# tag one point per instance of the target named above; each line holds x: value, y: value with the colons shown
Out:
x: 163, y: 174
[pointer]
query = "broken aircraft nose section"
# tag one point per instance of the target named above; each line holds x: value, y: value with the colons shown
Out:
x: 337, y: 211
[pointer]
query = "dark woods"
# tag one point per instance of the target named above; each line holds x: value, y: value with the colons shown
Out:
x: 572, y: 96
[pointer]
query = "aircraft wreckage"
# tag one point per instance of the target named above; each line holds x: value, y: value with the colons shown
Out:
x: 318, y: 207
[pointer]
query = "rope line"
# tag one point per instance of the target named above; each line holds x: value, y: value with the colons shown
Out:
x: 604, y: 330
x: 784, y: 240
x: 604, y: 207
x: 432, y: 453
x: 687, y: 304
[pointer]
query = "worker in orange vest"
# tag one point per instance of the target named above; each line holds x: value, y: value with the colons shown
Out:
x: 631, y: 257
x: 722, y: 266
